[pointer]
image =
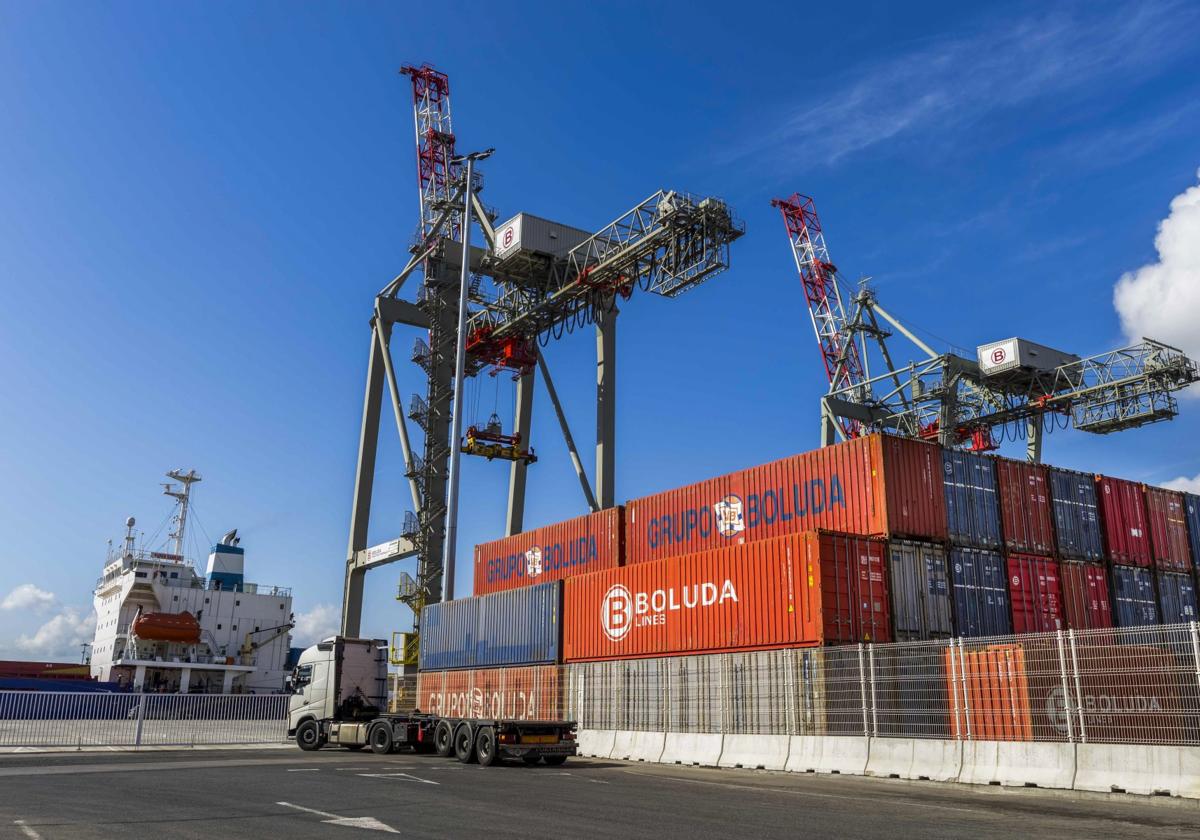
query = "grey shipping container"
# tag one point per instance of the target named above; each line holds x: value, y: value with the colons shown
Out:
x: 1133, y: 596
x: 1176, y: 598
x: 980, y: 587
x: 920, y: 589
x: 515, y: 627
x: 1191, y: 512
x: 972, y: 503
x: 1076, y: 517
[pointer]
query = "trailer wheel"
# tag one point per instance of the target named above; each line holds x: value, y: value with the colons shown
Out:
x: 531, y: 758
x: 308, y: 736
x: 381, y: 739
x: 554, y: 760
x: 443, y: 739
x: 464, y: 744
x: 485, y: 747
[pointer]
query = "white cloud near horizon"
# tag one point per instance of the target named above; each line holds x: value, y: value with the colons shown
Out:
x: 1161, y: 300
x: 1187, y: 485
x: 318, y: 623
x: 28, y: 596
x: 61, y: 637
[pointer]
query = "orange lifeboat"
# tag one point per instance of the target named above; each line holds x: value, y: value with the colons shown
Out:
x: 167, y: 627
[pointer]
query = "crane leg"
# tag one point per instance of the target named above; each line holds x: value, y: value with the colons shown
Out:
x: 522, y: 421
x: 606, y: 406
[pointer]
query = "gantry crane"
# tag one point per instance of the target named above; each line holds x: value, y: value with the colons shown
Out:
x: 525, y: 291
x: 1012, y: 389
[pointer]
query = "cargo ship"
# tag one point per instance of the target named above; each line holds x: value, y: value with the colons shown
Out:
x: 163, y: 626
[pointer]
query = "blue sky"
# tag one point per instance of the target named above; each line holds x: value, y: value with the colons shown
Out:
x: 199, y: 201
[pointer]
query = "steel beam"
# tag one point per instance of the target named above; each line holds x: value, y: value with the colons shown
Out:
x: 514, y: 520
x: 606, y: 406
x: 383, y: 334
x: 1033, y: 440
x: 566, y: 430
x: 396, y: 311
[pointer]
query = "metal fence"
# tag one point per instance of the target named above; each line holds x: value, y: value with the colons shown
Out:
x: 1136, y: 685
x: 73, y: 719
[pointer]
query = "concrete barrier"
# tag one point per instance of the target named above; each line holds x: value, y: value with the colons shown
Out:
x: 597, y: 743
x: 1018, y: 764
x: 828, y: 754
x: 915, y: 758
x: 1135, y: 768
x: 691, y: 748
x: 766, y: 752
x: 638, y: 746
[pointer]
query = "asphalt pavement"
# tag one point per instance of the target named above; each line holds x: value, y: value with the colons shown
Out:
x: 336, y: 793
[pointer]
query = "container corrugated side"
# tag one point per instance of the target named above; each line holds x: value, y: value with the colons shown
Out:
x: 1025, y: 510
x: 1076, y: 515
x: 1086, y: 602
x: 972, y: 503
x: 980, y: 587
x: 783, y: 592
x: 1134, y: 601
x: 516, y: 627
x: 1191, y: 512
x: 919, y: 585
x: 1176, y: 598
x: 1167, y: 523
x: 532, y: 692
x: 1035, y: 593
x: 876, y: 485
x: 584, y: 544
x: 1123, y: 519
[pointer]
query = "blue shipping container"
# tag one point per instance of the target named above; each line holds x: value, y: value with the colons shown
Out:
x: 980, y: 592
x: 920, y: 591
x: 972, y: 503
x: 1176, y: 598
x: 1076, y: 518
x: 515, y: 627
x: 1133, y: 596
x: 1191, y: 512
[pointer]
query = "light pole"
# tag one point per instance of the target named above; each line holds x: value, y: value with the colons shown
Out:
x: 460, y: 360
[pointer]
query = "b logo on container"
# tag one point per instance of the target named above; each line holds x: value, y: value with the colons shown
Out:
x: 616, y: 612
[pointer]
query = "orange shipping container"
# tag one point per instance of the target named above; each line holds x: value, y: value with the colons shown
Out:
x: 794, y: 591
x: 877, y: 485
x: 533, y: 692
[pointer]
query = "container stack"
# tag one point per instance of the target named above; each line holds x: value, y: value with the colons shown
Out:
x: 1127, y: 545
x: 1027, y: 522
x: 1172, y: 555
x: 1080, y: 544
x: 979, y: 581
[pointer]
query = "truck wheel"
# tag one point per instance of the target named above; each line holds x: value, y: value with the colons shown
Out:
x: 308, y: 736
x: 443, y: 739
x: 381, y: 740
x: 555, y: 760
x: 464, y: 744
x: 485, y: 747
x: 531, y: 758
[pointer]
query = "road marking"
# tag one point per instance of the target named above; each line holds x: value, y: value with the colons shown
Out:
x: 403, y: 776
x: 353, y: 768
x: 304, y: 769
x: 26, y: 830
x: 369, y: 823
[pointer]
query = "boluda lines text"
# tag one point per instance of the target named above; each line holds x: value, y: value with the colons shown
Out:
x: 623, y: 610
x: 727, y: 518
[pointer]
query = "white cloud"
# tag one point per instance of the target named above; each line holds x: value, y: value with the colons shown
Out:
x: 1187, y: 485
x: 27, y: 596
x: 60, y: 637
x: 319, y: 623
x: 1161, y: 300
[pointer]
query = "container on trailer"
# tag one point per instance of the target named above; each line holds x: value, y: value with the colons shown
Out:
x: 1025, y: 510
x: 1176, y: 598
x: 1076, y: 515
x: 583, y: 544
x: 979, y: 584
x: 1191, y: 512
x: 1123, y: 518
x: 532, y: 692
x: 919, y: 586
x: 516, y: 627
x: 800, y: 590
x: 1134, y: 604
x: 876, y: 485
x: 1167, y: 521
x: 1086, y: 603
x: 1035, y: 592
x: 972, y: 503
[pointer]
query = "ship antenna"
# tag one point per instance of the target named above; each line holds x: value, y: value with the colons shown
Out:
x: 181, y: 494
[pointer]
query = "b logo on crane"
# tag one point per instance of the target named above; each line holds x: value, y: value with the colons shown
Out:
x: 998, y: 356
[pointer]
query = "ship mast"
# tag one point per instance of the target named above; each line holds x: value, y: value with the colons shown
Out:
x: 181, y: 494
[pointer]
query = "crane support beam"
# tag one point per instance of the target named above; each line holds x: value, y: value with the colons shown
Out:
x: 383, y: 334
x: 606, y: 407
x: 514, y: 519
x: 566, y: 430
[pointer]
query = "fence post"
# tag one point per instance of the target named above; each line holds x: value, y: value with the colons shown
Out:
x: 789, y: 670
x: 962, y: 668
x: 862, y: 690
x: 1078, y: 687
x: 1195, y: 634
x: 954, y: 689
x: 1062, y: 671
x: 141, y: 717
x: 874, y: 704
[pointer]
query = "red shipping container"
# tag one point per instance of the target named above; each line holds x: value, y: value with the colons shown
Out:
x: 586, y: 543
x: 1168, y: 529
x: 532, y: 692
x: 1085, y: 596
x: 1026, y: 512
x: 1123, y: 514
x: 794, y: 591
x: 877, y: 485
x: 1035, y: 593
